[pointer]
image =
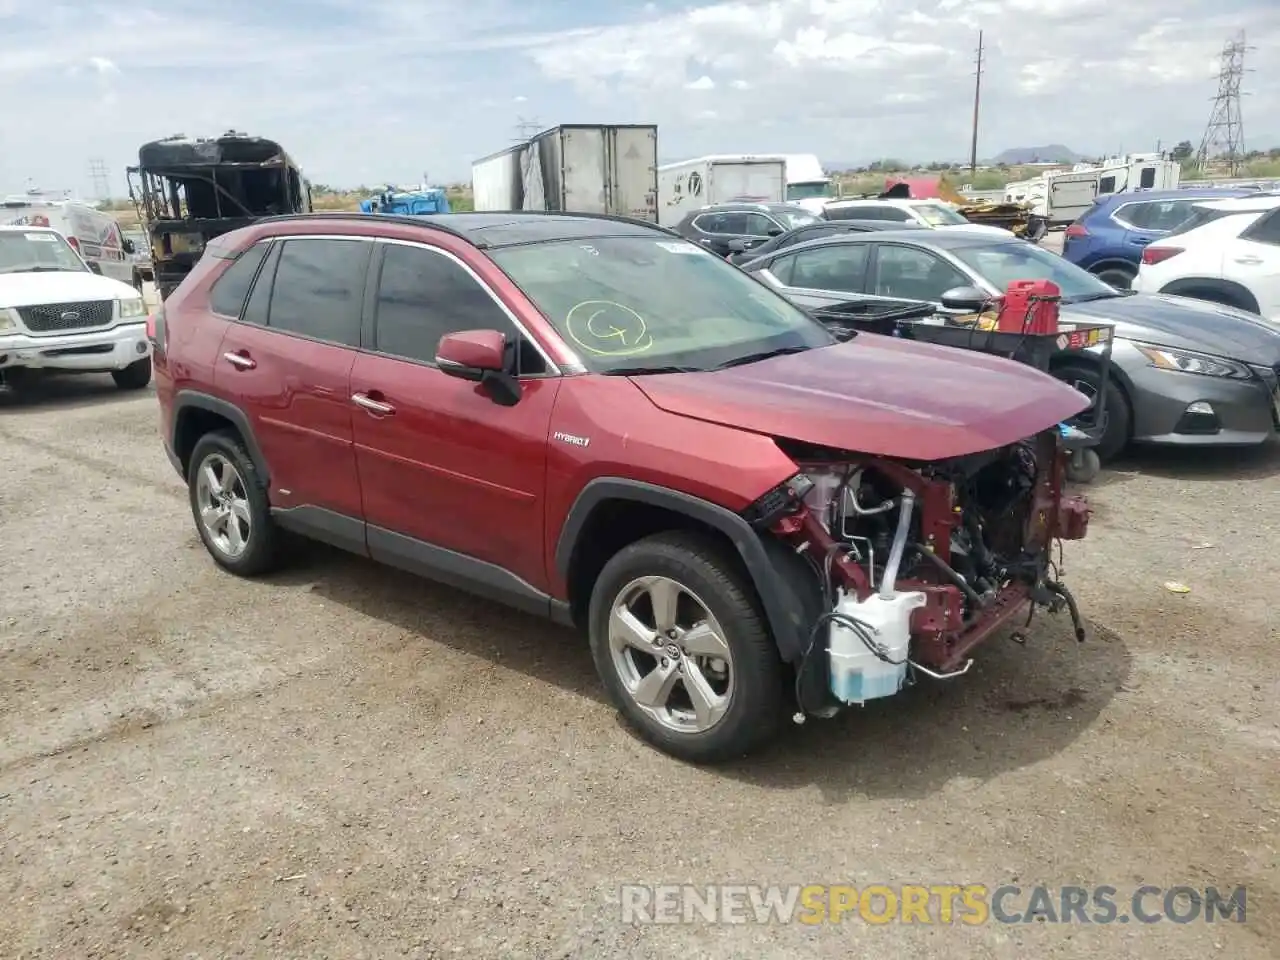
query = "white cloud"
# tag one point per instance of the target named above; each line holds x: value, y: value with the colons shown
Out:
x: 373, y: 90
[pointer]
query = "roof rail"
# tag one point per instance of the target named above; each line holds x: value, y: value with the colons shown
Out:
x: 435, y: 221
x: 426, y: 222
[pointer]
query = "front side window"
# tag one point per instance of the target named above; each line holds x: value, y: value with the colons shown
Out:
x: 424, y: 295
x: 37, y: 251
x: 1003, y: 262
x: 808, y: 191
x: 909, y: 273
x: 640, y: 304
x: 319, y: 289
x: 758, y: 225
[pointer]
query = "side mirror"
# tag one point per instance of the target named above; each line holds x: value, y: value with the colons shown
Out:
x: 965, y: 299
x: 94, y: 267
x: 128, y: 247
x: 481, y: 357
x: 774, y: 231
x: 738, y: 246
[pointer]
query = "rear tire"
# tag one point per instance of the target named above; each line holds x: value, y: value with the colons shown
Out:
x: 133, y: 377
x: 716, y: 706
x: 232, y: 494
x: 1119, y: 413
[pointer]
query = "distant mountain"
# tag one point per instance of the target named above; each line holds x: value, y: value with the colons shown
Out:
x: 1053, y: 153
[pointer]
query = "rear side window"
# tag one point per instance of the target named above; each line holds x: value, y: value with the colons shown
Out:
x: 319, y: 289
x: 1265, y: 230
x: 1198, y: 218
x: 229, y: 290
x: 1155, y: 214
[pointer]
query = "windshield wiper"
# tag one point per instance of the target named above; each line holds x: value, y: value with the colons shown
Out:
x: 641, y: 371
x: 48, y: 270
x: 1100, y: 295
x: 762, y: 355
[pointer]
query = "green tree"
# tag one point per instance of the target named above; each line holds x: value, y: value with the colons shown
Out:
x: 1183, y: 150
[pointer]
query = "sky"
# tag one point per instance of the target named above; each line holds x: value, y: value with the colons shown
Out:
x: 383, y: 91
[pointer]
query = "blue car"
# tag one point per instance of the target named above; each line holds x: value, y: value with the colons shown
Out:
x: 1107, y: 239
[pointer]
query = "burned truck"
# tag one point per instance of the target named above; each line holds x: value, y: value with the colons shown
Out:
x: 189, y: 191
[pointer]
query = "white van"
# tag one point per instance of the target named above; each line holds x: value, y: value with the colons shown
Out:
x: 57, y: 314
x: 94, y: 235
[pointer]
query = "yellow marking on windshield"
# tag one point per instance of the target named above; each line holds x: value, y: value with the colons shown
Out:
x: 608, y: 329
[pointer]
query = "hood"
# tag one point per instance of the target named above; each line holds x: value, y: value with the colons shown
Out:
x: 876, y: 395
x: 1190, y: 324
x: 35, y: 289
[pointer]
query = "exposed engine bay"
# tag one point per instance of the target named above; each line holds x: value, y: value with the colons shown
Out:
x: 919, y: 563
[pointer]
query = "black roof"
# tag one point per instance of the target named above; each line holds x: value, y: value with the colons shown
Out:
x: 506, y: 229
x: 230, y: 148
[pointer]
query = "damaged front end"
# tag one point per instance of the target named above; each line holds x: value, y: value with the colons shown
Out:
x: 919, y: 563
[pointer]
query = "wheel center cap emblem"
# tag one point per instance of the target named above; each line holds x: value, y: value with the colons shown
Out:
x: 673, y: 651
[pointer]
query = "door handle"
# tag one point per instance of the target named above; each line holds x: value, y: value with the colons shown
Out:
x: 373, y: 406
x: 239, y: 360
x: 1249, y: 261
x: 1139, y: 241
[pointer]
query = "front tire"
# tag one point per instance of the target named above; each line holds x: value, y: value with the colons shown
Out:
x: 133, y: 377
x: 684, y: 651
x: 230, y: 508
x: 1086, y: 378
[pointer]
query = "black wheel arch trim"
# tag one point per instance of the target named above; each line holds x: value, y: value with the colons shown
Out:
x: 1236, y: 291
x: 193, y: 399
x: 788, y: 621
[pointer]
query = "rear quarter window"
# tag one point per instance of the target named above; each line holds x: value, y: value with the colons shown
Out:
x: 230, y: 290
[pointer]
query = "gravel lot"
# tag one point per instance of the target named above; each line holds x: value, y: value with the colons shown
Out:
x: 345, y: 762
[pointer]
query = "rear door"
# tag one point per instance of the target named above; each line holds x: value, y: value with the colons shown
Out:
x: 824, y: 275
x: 449, y: 476
x: 1254, y: 261
x: 287, y: 364
x: 634, y: 190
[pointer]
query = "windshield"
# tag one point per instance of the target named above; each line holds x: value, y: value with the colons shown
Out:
x: 1001, y: 263
x: 23, y: 252
x: 936, y: 215
x: 796, y: 218
x: 638, y: 304
x: 807, y: 191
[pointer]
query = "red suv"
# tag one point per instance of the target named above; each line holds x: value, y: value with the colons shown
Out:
x: 595, y: 420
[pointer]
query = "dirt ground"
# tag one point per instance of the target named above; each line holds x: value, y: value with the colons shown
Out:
x: 344, y: 762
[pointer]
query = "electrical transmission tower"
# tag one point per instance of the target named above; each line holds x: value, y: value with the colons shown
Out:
x: 526, y: 129
x: 101, y: 181
x: 1224, y: 134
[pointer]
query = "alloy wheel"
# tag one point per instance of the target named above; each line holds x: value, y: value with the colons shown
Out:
x: 671, y: 654
x: 223, y: 504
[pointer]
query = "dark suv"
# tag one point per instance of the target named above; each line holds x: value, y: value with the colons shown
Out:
x: 594, y: 420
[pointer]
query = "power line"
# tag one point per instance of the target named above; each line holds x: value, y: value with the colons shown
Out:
x: 526, y: 129
x: 1224, y: 133
x: 100, y: 179
x: 977, y: 96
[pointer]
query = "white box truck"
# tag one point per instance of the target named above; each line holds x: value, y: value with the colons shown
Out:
x: 577, y: 168
x: 726, y: 178
x: 1062, y: 196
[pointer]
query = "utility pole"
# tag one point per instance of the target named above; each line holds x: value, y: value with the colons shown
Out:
x: 526, y: 129
x: 101, y: 181
x: 977, y: 96
x: 1225, y: 131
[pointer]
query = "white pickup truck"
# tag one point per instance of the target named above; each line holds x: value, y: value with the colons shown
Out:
x: 58, y: 314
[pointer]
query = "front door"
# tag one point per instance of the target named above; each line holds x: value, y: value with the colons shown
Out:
x: 453, y: 482
x: 287, y: 362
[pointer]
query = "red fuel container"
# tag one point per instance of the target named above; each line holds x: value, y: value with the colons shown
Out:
x: 1030, y: 306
